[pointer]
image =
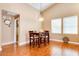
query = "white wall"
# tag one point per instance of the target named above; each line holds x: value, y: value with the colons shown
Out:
x: 59, y: 11
x: 28, y: 19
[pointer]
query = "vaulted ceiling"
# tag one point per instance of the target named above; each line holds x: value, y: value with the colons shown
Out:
x: 41, y: 6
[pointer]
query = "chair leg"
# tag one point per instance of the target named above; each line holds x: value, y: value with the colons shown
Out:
x: 30, y: 42
x: 48, y: 40
x: 40, y: 40
x: 39, y: 43
x: 33, y: 43
x: 36, y: 42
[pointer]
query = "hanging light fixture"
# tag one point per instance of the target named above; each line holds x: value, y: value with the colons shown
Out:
x: 41, y: 19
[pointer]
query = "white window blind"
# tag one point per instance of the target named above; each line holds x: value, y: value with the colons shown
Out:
x: 70, y: 25
x: 56, y: 25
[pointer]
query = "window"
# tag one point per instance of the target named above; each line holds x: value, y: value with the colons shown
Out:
x: 56, y: 25
x: 70, y: 25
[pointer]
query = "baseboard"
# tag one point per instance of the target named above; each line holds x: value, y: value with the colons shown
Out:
x: 62, y: 41
x: 23, y: 43
x: 7, y: 43
x: 56, y: 40
x: 74, y: 43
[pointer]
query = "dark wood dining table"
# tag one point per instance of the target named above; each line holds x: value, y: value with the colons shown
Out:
x: 39, y: 38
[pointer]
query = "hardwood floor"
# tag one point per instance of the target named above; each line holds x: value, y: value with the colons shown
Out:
x: 53, y: 49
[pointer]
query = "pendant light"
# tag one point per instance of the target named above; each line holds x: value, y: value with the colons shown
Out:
x: 41, y: 19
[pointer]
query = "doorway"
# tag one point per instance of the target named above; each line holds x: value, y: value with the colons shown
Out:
x: 16, y: 29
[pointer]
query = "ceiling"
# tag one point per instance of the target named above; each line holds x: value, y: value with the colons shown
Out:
x: 41, y: 6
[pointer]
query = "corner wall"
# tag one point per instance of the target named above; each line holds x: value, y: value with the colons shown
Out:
x: 60, y: 10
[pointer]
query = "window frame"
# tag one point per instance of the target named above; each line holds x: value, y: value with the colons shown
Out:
x: 62, y: 31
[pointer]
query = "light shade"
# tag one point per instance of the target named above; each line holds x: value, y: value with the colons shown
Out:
x: 41, y: 19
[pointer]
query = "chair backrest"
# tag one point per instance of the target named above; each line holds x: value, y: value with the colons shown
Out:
x: 36, y: 35
x: 46, y: 32
x: 30, y: 33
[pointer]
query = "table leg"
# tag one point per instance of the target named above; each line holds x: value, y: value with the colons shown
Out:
x: 30, y: 41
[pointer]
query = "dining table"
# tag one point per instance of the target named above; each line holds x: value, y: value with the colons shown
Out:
x: 39, y: 38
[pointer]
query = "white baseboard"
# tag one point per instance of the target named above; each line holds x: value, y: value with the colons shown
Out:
x: 62, y: 41
x: 23, y: 43
x: 7, y: 43
x: 56, y: 40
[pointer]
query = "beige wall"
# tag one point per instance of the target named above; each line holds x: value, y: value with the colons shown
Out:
x: 60, y: 10
x: 0, y: 33
x: 28, y: 19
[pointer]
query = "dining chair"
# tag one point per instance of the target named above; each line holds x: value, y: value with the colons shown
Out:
x: 42, y: 38
x: 47, y: 36
x: 37, y: 39
x: 31, y: 37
